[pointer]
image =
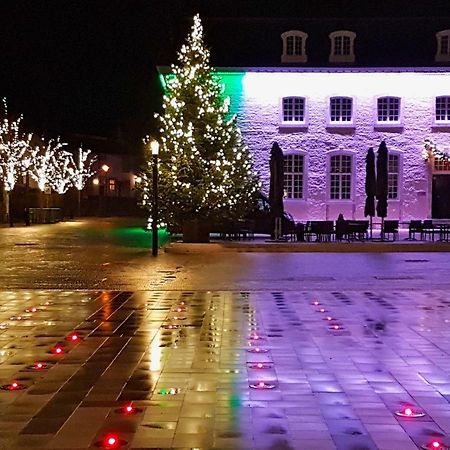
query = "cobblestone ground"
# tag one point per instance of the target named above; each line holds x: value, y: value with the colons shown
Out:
x: 226, y: 351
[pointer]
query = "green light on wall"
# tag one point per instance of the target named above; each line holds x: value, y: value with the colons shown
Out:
x: 232, y: 81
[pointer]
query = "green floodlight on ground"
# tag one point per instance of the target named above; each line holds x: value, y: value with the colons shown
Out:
x: 139, y: 237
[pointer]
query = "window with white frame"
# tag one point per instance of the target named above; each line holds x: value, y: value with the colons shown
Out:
x: 293, y: 110
x: 293, y: 175
x: 442, y: 109
x: 341, y: 177
x: 294, y: 45
x: 342, y: 46
x: 341, y: 110
x: 388, y: 110
x: 443, y: 46
x: 393, y: 175
x: 441, y: 165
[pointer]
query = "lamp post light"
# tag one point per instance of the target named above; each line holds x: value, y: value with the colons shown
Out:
x: 102, y: 185
x: 154, y: 145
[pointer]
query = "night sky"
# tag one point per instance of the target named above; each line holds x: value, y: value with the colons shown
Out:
x: 88, y: 67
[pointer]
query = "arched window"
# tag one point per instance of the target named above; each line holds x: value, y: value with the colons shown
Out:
x: 293, y: 111
x: 388, y: 110
x: 442, y: 110
x: 294, y: 167
x: 341, y: 111
x: 443, y: 46
x: 341, y: 176
x: 294, y: 43
x: 394, y: 171
x: 342, y: 46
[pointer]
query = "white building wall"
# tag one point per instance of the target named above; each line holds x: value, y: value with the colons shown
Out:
x: 257, y: 101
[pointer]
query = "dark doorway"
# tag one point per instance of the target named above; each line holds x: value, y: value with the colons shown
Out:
x: 440, y: 206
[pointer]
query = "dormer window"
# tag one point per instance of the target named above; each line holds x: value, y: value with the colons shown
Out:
x: 443, y: 46
x: 294, y: 43
x: 342, y: 50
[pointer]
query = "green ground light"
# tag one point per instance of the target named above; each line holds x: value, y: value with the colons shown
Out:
x: 138, y: 237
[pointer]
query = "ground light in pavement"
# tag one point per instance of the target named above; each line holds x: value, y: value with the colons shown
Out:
x: 39, y: 366
x: 410, y: 411
x: 262, y: 385
x: 169, y: 391
x: 13, y: 386
x: 73, y: 337
x: 128, y: 410
x: 257, y: 350
x: 435, y: 445
x: 57, y: 350
x: 260, y: 365
x: 111, y: 441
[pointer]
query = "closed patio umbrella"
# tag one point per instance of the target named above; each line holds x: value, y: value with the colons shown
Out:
x: 371, y: 187
x: 382, y: 183
x: 276, y: 190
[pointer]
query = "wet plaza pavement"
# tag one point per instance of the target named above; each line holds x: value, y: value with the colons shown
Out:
x: 226, y: 351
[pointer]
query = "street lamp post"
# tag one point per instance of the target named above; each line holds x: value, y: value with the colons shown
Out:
x: 154, y: 145
x: 102, y: 187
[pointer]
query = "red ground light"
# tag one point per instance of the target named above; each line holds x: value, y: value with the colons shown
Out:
x: 111, y: 441
x: 408, y: 411
x: 74, y: 337
x: 57, y: 350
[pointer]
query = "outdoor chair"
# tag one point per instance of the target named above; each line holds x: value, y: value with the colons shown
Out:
x: 300, y: 231
x: 290, y: 230
x: 357, y: 230
x: 390, y: 227
x: 247, y: 229
x: 307, y: 233
x: 428, y: 229
x: 341, y: 230
x: 323, y: 230
x: 229, y: 230
x: 415, y: 226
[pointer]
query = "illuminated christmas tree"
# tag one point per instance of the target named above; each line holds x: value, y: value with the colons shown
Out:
x: 205, y: 170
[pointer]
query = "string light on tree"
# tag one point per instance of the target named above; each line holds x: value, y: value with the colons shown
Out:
x: 205, y: 170
x: 63, y: 172
x: 42, y: 165
x: 82, y: 170
x: 14, y: 145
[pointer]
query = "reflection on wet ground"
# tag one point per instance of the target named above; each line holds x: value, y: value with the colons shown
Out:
x: 301, y: 370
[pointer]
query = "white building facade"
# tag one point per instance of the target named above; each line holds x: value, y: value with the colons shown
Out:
x: 326, y: 119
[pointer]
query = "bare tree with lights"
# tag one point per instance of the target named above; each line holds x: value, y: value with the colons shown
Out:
x: 205, y: 170
x: 14, y: 145
x: 62, y: 180
x: 81, y: 171
x: 42, y: 165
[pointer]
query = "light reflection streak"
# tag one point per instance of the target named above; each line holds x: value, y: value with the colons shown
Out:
x: 155, y: 354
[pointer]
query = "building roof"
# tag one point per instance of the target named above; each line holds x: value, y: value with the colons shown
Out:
x: 379, y: 42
